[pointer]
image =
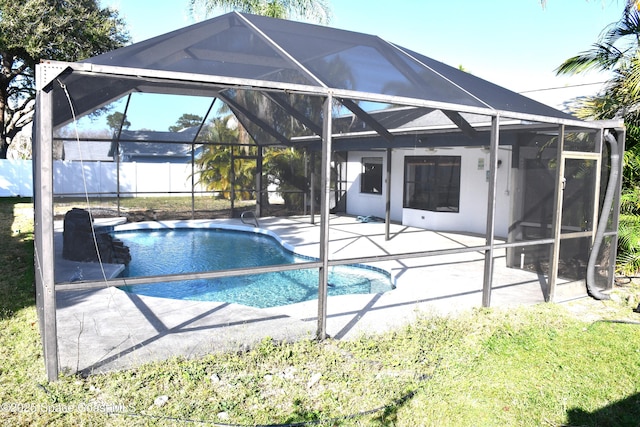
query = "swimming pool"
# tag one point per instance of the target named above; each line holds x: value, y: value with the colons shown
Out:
x: 186, y: 250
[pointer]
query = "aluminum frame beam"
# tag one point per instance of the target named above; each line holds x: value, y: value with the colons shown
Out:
x: 367, y: 118
x: 491, y: 212
x: 254, y: 119
x: 43, y: 231
x: 279, y: 100
x: 325, y: 196
x: 194, y: 79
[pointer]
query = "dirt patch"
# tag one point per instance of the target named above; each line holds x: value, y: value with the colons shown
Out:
x: 623, y: 305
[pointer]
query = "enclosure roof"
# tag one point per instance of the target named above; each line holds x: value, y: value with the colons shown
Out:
x: 262, y: 48
x: 274, y: 72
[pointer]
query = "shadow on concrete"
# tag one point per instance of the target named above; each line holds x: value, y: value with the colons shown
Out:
x: 201, y: 323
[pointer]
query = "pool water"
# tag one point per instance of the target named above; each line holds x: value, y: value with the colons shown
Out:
x: 173, y: 251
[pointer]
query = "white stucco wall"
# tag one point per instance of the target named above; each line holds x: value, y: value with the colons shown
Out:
x: 472, y: 217
x: 368, y: 204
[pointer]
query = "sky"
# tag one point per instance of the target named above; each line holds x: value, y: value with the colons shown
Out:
x: 516, y: 44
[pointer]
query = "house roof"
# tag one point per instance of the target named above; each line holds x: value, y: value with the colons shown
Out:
x: 87, y: 150
x: 274, y: 73
x: 144, y: 143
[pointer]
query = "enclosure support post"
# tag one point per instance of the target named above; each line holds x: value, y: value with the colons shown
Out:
x: 43, y: 229
x: 312, y: 202
x: 305, y: 197
x: 323, y: 281
x: 259, y: 191
x: 491, y: 211
x: 599, y: 149
x: 556, y: 224
x: 193, y: 180
x: 232, y: 193
x: 387, y: 206
x: 116, y: 152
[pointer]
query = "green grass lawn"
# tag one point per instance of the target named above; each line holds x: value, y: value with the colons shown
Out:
x: 547, y: 365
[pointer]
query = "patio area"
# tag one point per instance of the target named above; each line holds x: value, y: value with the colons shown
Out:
x: 107, y: 329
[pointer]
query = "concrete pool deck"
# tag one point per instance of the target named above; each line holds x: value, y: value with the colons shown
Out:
x: 107, y: 329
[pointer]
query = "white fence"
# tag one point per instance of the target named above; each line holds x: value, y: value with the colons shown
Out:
x: 76, y: 178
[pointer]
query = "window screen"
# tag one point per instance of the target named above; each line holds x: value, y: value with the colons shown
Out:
x: 432, y: 183
x: 371, y: 176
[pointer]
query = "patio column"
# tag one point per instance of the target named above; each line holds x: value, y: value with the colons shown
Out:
x: 117, y: 154
x: 232, y: 193
x: 324, y: 220
x: 117, y: 151
x: 312, y: 195
x: 387, y: 206
x: 305, y: 196
x: 491, y: 211
x: 260, y: 195
x: 556, y: 225
x: 43, y: 229
x: 193, y: 180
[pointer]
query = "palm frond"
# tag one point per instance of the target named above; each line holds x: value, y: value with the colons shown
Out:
x: 629, y: 233
x: 628, y: 260
x: 601, y: 57
x: 628, y: 263
x: 628, y: 25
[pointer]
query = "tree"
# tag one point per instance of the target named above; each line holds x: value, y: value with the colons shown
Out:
x: 286, y: 168
x: 618, y: 51
x: 220, y: 168
x: 313, y: 10
x: 31, y: 30
x: 186, y: 121
x: 115, y: 120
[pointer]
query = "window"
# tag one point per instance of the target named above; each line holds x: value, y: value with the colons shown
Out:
x: 371, y: 176
x: 432, y: 183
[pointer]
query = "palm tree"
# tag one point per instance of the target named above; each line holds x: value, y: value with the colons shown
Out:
x: 286, y: 169
x: 312, y: 10
x: 618, y: 51
x: 215, y: 162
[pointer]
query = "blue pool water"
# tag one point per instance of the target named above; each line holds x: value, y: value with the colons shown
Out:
x: 171, y: 251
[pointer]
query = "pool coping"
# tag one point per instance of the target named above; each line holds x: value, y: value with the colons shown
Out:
x: 199, y: 223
